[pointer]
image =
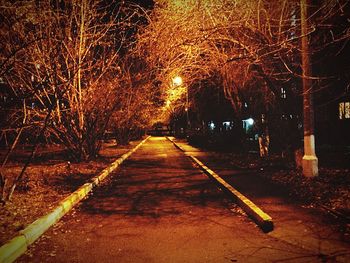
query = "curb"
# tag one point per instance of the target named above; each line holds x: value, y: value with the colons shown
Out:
x: 263, y: 220
x: 15, y: 247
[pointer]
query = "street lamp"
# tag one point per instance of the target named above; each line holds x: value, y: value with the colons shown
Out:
x: 177, y: 81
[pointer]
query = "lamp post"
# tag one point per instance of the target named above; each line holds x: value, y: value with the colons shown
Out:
x: 177, y: 81
x: 310, y: 161
x: 188, y: 124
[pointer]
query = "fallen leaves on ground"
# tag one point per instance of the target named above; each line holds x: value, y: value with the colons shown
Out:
x: 46, y: 183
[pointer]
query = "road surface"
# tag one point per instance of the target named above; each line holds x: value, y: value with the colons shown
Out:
x: 159, y: 207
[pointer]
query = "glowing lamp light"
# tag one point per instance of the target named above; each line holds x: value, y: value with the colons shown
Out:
x: 177, y: 81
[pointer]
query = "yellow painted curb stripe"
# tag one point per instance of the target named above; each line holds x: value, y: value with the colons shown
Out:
x: 245, y: 200
x: 261, y: 218
x: 11, y: 250
x: 15, y: 247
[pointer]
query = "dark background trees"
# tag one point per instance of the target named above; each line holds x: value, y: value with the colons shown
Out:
x: 251, y: 49
x: 72, y: 70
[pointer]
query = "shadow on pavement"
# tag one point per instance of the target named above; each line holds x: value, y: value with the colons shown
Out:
x: 154, y: 189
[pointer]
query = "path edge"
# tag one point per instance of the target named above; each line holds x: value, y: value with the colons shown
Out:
x: 262, y: 219
x: 18, y: 245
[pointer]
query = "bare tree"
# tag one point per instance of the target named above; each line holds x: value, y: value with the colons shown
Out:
x: 135, y: 108
x: 60, y: 62
x: 254, y: 46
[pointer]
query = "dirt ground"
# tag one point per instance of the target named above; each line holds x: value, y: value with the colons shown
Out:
x: 49, y: 179
x: 330, y: 188
x: 329, y: 191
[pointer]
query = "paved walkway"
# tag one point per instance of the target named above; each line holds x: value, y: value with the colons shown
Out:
x: 303, y: 226
x: 158, y: 207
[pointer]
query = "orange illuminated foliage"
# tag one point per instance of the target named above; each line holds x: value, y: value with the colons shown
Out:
x: 250, y: 45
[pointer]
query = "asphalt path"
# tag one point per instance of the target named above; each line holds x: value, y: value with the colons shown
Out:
x: 159, y: 207
x: 295, y: 223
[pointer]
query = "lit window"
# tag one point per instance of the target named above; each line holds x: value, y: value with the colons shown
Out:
x: 211, y: 125
x: 247, y: 123
x: 250, y: 121
x: 294, y: 19
x: 347, y: 110
x: 226, y: 125
x: 283, y: 93
x: 344, y: 110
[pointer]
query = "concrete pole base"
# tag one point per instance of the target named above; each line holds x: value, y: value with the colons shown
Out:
x: 310, y: 166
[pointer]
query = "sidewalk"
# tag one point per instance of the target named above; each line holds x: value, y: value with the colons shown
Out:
x: 294, y: 223
x: 159, y: 207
